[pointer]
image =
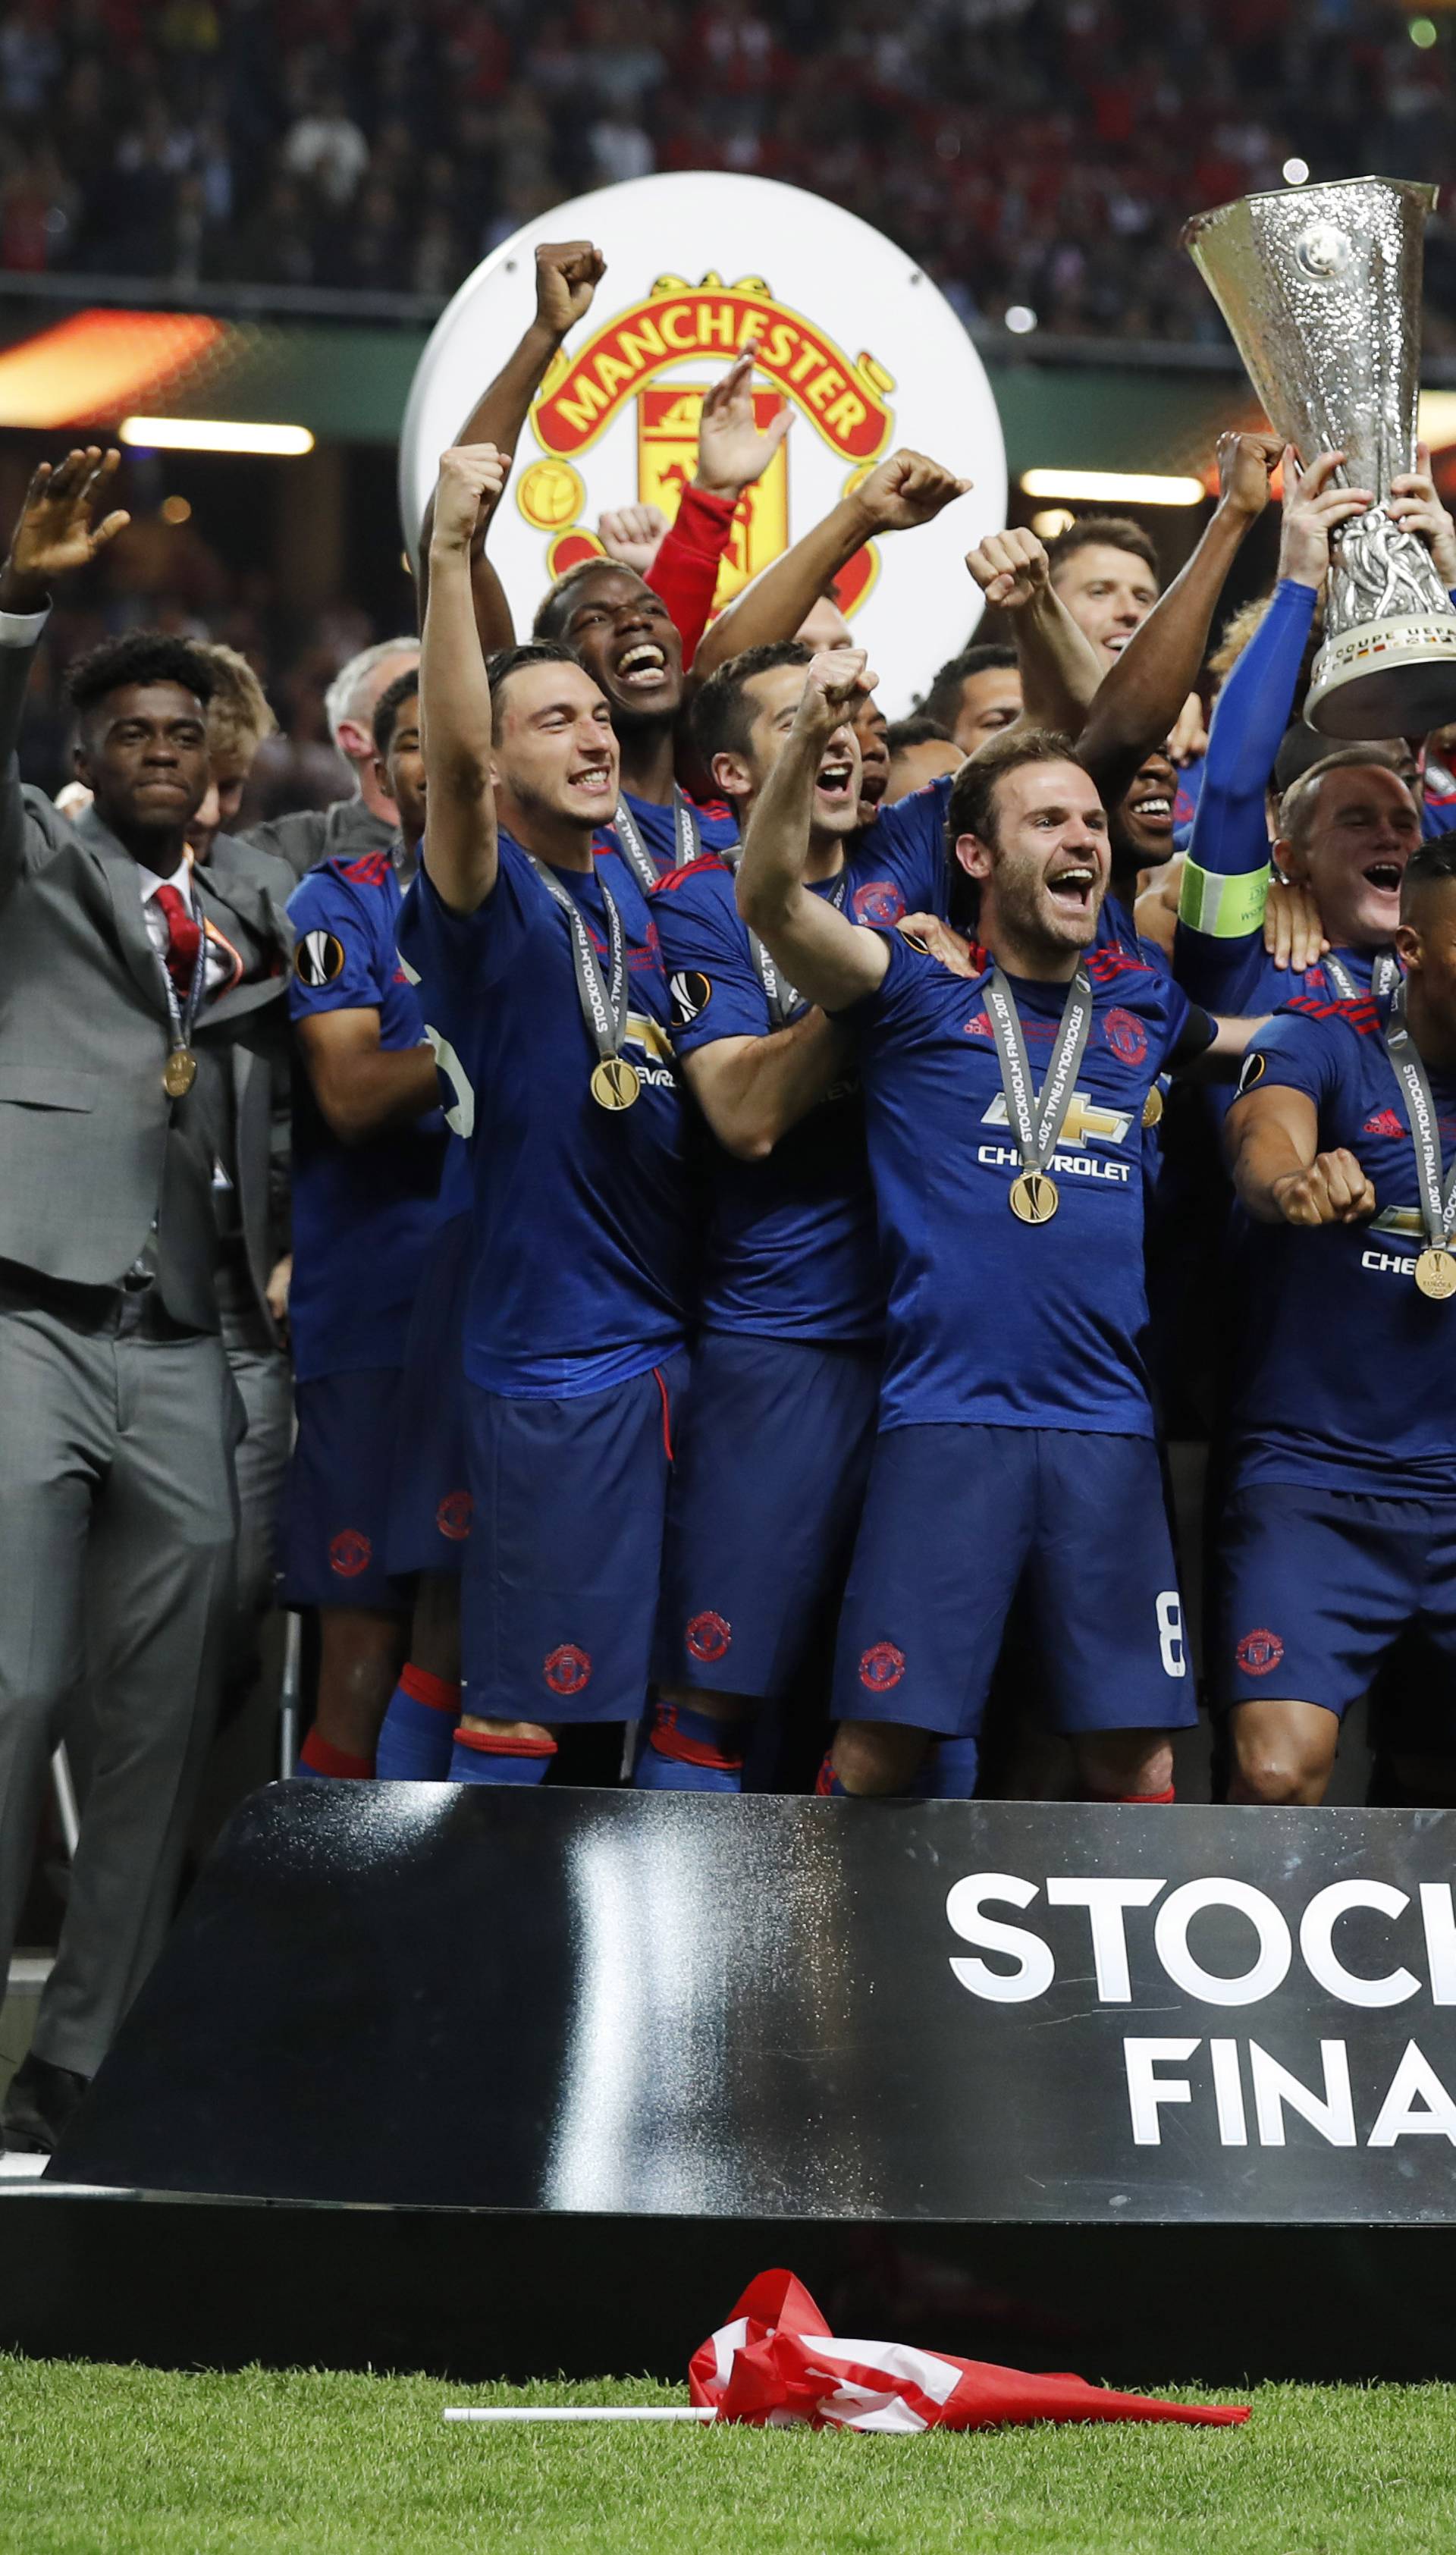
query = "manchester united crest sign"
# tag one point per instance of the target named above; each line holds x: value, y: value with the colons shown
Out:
x: 848, y: 333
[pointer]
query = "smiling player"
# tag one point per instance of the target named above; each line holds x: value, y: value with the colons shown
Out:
x: 543, y: 987
x: 775, y: 1445
x: 1015, y: 1433
x: 1341, y: 1524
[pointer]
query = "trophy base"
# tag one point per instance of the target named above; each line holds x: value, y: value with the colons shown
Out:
x: 1386, y: 679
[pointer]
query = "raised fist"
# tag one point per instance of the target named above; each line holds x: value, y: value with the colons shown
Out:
x: 632, y: 535
x: 567, y: 272
x: 1009, y: 567
x: 837, y: 686
x: 906, y: 490
x: 1246, y: 466
x: 471, y: 477
x: 1334, y: 1191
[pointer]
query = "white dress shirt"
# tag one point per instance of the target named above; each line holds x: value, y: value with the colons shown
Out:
x: 219, y: 965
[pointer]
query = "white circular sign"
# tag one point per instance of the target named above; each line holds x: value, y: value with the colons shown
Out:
x: 850, y: 332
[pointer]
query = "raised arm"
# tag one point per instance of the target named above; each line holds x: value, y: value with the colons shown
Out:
x: 54, y: 535
x: 1226, y: 878
x: 1273, y: 1140
x: 459, y: 850
x: 567, y: 272
x: 731, y: 455
x: 1138, y: 702
x: 1061, y: 670
x: 901, y: 493
x: 833, y: 962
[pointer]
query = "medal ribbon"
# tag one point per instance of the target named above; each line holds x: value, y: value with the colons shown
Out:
x: 1038, y: 1135
x: 603, y: 1005
x: 183, y: 1023
x: 781, y: 998
x: 635, y: 851
x: 1438, y: 1208
x: 1384, y: 975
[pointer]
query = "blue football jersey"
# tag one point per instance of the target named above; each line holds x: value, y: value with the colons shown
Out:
x: 717, y: 829
x: 580, y: 1213
x: 791, y: 1249
x: 992, y: 1320
x: 1344, y: 1373
x: 900, y: 861
x: 364, y: 1215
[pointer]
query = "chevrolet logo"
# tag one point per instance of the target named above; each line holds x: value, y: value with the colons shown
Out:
x: 650, y: 1035
x: 1086, y: 1121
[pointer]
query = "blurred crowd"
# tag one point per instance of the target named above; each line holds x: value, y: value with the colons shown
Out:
x: 1039, y: 157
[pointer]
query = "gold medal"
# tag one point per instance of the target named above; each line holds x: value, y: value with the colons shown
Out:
x: 1435, y: 1274
x: 1033, y: 1197
x: 178, y: 1073
x: 614, y: 1083
x: 1152, y: 1107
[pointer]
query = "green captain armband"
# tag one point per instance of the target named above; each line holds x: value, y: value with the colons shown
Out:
x: 1227, y: 908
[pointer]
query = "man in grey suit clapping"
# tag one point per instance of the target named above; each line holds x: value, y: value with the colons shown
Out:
x: 127, y: 982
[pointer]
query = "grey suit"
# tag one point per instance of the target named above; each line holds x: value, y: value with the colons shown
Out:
x: 117, y: 1414
x: 315, y: 834
x: 255, y: 1149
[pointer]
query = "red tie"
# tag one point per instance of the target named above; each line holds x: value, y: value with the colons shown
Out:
x: 183, y: 932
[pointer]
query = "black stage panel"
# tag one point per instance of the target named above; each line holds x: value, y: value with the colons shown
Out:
x: 495, y: 2084
x: 697, y: 2006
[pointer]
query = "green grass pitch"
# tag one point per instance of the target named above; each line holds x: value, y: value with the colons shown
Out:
x: 101, y: 2460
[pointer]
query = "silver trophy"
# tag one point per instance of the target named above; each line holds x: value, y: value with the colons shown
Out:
x: 1321, y: 291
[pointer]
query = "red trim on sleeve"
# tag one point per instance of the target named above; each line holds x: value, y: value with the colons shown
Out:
x: 689, y: 869
x: 684, y: 573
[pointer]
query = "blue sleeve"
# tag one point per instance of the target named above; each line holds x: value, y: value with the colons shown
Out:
x: 1223, y: 975
x: 1230, y: 834
x: 343, y: 951
x: 1298, y: 1052
x: 712, y: 982
x: 908, y: 841
x: 895, y: 1004
x: 464, y: 951
x: 1177, y: 1011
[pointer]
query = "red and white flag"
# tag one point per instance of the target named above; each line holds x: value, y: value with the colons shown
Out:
x: 775, y: 2361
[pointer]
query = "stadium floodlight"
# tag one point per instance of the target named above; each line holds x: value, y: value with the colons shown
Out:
x: 214, y: 435
x: 1114, y: 487
x: 1297, y: 172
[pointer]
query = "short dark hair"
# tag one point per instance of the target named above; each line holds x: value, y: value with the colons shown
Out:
x: 138, y: 657
x: 1112, y: 532
x: 404, y: 687
x: 971, y: 807
x: 1299, y: 800
x: 721, y: 714
x: 553, y: 611
x: 1431, y: 866
x: 943, y: 699
x: 503, y: 663
x: 919, y: 729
